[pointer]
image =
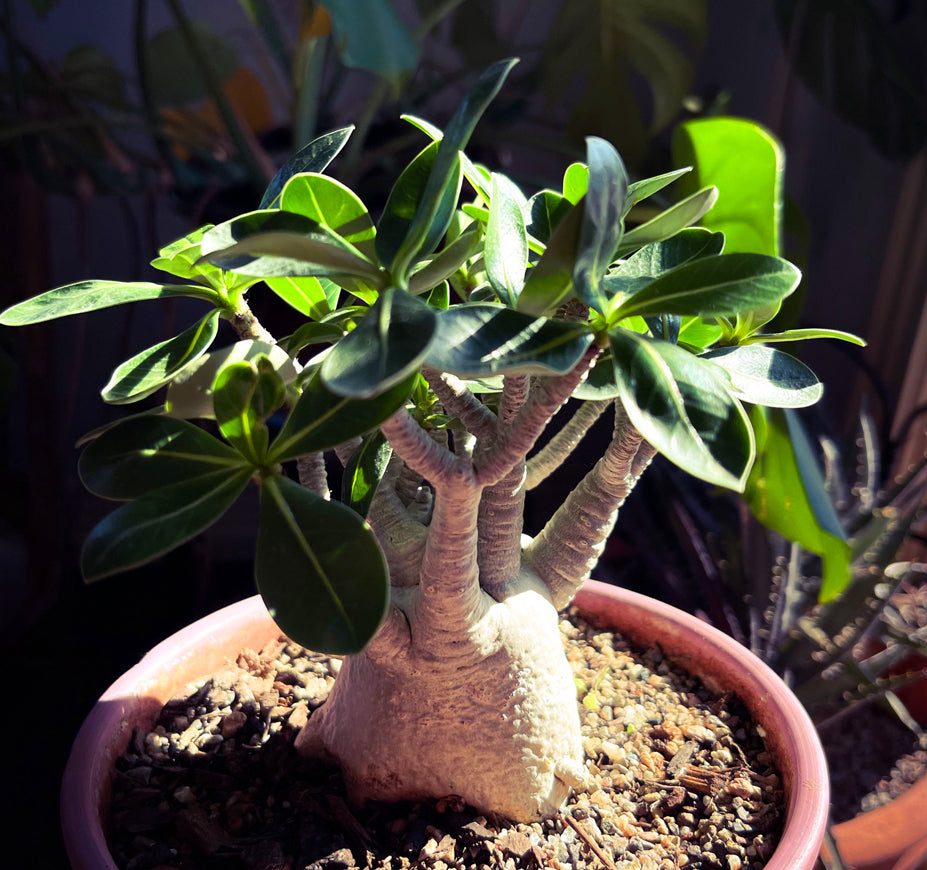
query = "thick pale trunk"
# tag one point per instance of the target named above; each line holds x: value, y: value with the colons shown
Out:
x: 492, y: 719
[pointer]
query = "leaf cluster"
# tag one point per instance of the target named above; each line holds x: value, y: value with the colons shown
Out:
x: 461, y: 274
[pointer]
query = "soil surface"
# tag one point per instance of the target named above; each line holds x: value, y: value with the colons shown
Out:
x: 679, y: 777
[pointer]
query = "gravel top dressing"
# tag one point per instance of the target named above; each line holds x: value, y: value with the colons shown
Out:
x: 678, y: 777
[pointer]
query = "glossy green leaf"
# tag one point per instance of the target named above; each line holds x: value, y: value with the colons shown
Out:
x: 364, y: 471
x: 786, y: 492
x: 150, y: 451
x: 321, y: 419
x: 312, y: 333
x: 805, y: 335
x: 92, y: 296
x: 506, y: 247
x: 698, y: 334
x: 445, y: 263
x: 287, y: 254
x: 319, y: 569
x: 476, y: 176
x: 333, y: 205
x: 307, y: 295
x: 575, y: 182
x: 180, y: 257
x: 480, y: 340
x: 313, y: 157
x: 715, y: 286
x: 446, y: 170
x: 671, y: 221
x: 681, y: 405
x: 647, y: 187
x: 159, y: 521
x: 602, y: 226
x: 151, y: 369
x: 550, y: 282
x: 659, y: 257
x: 547, y: 209
x: 190, y: 393
x: 600, y: 384
x: 766, y: 376
x: 384, y: 348
x: 403, y: 203
x: 245, y: 394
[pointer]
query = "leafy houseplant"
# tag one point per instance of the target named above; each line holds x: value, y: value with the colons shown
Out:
x: 442, y: 341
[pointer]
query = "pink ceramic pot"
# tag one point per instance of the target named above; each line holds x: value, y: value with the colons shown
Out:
x: 721, y: 662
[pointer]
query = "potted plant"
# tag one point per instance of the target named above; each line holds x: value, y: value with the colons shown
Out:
x: 441, y: 342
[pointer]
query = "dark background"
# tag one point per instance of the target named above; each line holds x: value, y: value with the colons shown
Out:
x: 841, y: 84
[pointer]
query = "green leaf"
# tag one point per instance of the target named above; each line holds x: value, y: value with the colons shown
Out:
x: 506, y: 247
x: 658, y: 257
x: 601, y: 225
x: 403, y: 203
x: 550, y: 282
x: 805, y: 335
x: 181, y: 257
x: 475, y: 175
x: 92, y: 296
x: 786, y: 492
x: 191, y: 392
x: 245, y: 394
x: 446, y: 169
x: 681, y: 405
x: 332, y: 205
x: 160, y: 521
x: 287, y: 254
x: 480, y: 340
x: 600, y: 383
x: 173, y: 74
x: 364, y: 471
x: 575, y: 182
x: 547, y: 209
x: 312, y: 333
x: 390, y: 342
x: 747, y: 165
x: 319, y: 569
x: 714, y: 287
x: 647, y: 187
x: 765, y: 376
x: 313, y: 157
x: 369, y: 34
x: 146, y: 452
x: 445, y: 263
x: 307, y: 295
x: 321, y: 419
x: 670, y: 221
x: 151, y: 369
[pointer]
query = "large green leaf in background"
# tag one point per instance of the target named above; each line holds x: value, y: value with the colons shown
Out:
x: 319, y: 569
x: 786, y: 492
x: 747, y: 165
x: 370, y: 35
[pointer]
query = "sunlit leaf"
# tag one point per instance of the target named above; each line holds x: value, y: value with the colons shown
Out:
x: 245, y: 394
x: 149, y: 451
x: 506, y: 247
x: 766, y: 376
x: 313, y: 157
x: 151, y: 369
x: 364, y: 471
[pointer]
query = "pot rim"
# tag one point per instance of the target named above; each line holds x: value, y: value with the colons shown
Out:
x: 136, y: 696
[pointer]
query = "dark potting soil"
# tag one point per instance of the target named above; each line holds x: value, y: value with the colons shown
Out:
x: 679, y: 777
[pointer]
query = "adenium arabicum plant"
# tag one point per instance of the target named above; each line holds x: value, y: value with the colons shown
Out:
x: 442, y: 340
